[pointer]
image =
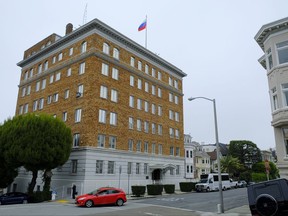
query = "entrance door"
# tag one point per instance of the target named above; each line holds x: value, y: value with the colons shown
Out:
x: 156, y: 175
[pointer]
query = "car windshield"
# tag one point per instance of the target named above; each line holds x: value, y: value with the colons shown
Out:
x: 203, y: 180
x: 94, y: 192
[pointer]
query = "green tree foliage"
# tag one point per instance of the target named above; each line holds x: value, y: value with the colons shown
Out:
x: 260, y: 168
x: 230, y: 165
x: 246, y: 151
x: 37, y: 142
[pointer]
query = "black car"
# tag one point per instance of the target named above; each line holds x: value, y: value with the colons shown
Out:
x: 13, y: 198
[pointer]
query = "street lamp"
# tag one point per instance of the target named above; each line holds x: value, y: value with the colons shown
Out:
x: 217, y: 149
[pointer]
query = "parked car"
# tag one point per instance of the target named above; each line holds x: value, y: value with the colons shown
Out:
x: 102, y: 196
x: 242, y: 183
x: 13, y: 198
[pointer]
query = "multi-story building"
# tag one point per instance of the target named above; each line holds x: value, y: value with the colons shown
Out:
x: 190, y: 149
x: 273, y: 40
x: 123, y: 103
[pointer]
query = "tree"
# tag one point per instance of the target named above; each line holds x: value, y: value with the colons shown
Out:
x: 37, y: 142
x: 246, y: 151
x: 260, y: 168
x: 230, y: 165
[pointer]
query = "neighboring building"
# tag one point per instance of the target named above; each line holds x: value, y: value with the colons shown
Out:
x: 123, y: 103
x: 213, y: 160
x: 202, y: 163
x: 273, y: 40
x: 190, y: 149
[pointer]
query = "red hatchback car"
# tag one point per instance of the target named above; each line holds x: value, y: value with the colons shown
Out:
x: 102, y: 196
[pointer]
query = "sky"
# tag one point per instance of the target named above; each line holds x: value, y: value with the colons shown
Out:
x: 211, y: 41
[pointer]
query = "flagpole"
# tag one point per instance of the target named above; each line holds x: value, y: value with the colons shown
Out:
x: 146, y: 33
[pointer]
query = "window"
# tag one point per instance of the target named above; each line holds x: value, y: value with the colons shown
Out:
x: 146, y: 69
x: 76, y: 140
x: 55, y: 97
x: 159, y: 92
x: 64, y: 116
x: 137, y: 168
x: 112, y: 142
x: 26, y: 75
x: 177, y: 116
x: 153, y: 72
x: 69, y: 72
x: 170, y: 97
x: 20, y: 110
x: 66, y: 94
x: 111, y: 166
x: 103, y: 92
x: 102, y: 116
x: 58, y: 76
x: 54, y: 60
x: 60, y: 56
x: 145, y: 168
x: 170, y: 81
x: 83, y: 47
x: 171, y: 132
x: 146, y: 87
x: 106, y: 48
x: 82, y: 68
x: 274, y: 99
x: 138, y: 146
x: 113, y: 118
x: 26, y: 108
x: 153, y: 91
x: 159, y: 75
x: 131, y: 101
x: 139, y: 128
x: 160, y: 110
x: 131, y: 81
x: 71, y: 51
x: 49, y: 99
x: 177, y: 151
x: 105, y: 69
x: 115, y: 73
x: 285, y: 93
x: 160, y: 149
x: 78, y: 115
x: 178, y: 169
x: 28, y: 90
x: 114, y: 95
x: 282, y: 49
x: 130, y: 145
x: 74, y: 164
x: 139, y: 104
x: 131, y: 123
x: 45, y: 65
x: 146, y: 106
x: 176, y: 84
x: 160, y: 129
x: 176, y: 99
x: 171, y: 115
x: 99, y: 166
x: 23, y: 92
x: 43, y: 84
x: 153, y: 108
x: 171, y: 150
x: 37, y: 86
x: 139, y: 84
x: 146, y: 145
x: 153, y: 148
x: 31, y: 73
x: 129, y: 168
x: 41, y: 103
x: 35, y: 105
x: 51, y: 78
x: 101, y: 140
x: 132, y: 61
x: 80, y: 90
x: 139, y: 65
x: 269, y: 58
x: 39, y: 68
x: 146, y: 126
x: 153, y: 127
x: 116, y: 53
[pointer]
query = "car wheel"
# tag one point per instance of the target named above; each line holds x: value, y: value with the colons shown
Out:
x: 208, y: 189
x: 89, y: 203
x: 25, y: 202
x: 224, y: 188
x: 119, y: 202
x: 266, y: 205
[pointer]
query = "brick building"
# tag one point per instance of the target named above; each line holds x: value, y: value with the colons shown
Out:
x: 123, y: 103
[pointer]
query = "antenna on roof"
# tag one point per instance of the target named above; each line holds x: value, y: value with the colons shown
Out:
x: 85, y: 15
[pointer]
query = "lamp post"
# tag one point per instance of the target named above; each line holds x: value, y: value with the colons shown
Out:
x: 217, y: 150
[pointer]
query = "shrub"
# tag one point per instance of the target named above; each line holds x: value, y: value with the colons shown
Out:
x: 154, y: 189
x: 187, y: 186
x: 169, y: 188
x: 259, y: 177
x: 39, y: 196
x: 138, y: 190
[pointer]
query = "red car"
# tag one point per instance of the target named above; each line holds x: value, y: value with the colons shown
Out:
x: 102, y: 196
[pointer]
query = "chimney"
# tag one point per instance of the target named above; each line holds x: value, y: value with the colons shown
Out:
x: 69, y: 28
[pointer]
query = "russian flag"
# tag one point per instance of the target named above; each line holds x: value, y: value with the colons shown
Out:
x: 143, y: 25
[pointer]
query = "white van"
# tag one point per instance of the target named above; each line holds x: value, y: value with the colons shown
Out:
x: 210, y: 182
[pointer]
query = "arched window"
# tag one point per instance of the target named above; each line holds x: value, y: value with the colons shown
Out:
x: 116, y: 53
x: 83, y: 47
x: 106, y: 48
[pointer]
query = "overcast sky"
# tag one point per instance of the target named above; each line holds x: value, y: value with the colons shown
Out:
x: 211, y: 41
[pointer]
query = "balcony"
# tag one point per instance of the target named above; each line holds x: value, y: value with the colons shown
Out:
x: 280, y: 117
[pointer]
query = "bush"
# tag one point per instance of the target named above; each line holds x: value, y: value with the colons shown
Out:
x: 169, y: 188
x: 39, y: 196
x: 259, y: 177
x: 154, y: 189
x: 138, y: 190
x: 187, y: 186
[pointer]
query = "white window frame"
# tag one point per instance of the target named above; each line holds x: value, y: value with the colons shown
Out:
x: 131, y: 101
x: 106, y: 48
x: 116, y: 53
x: 84, y: 47
x: 102, y: 116
x: 101, y: 140
x: 113, y: 118
x: 105, y: 69
x: 103, y: 92
x: 78, y: 115
x: 114, y: 95
x: 139, y: 84
x: 115, y: 73
x: 132, y: 61
x: 112, y: 142
x: 82, y: 68
x: 139, y: 124
x: 130, y: 123
x: 132, y: 80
